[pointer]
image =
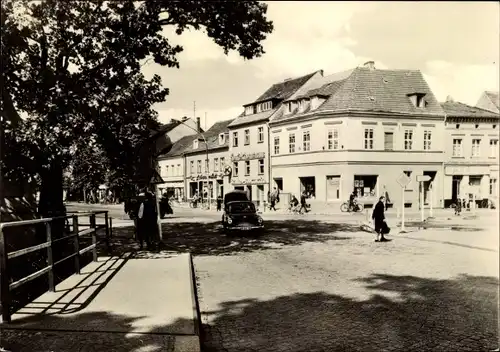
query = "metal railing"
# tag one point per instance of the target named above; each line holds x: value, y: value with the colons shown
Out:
x: 6, y: 286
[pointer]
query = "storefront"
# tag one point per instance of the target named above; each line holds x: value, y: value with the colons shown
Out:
x: 467, y: 182
x: 255, y: 187
x: 206, y: 187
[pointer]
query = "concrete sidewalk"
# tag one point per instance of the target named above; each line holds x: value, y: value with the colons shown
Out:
x: 141, y: 301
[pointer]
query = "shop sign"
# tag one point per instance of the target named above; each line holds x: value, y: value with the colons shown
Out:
x: 204, y: 177
x: 466, y: 170
x: 248, y: 181
x: 248, y: 156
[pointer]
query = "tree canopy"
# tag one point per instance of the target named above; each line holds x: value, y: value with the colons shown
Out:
x: 72, y: 69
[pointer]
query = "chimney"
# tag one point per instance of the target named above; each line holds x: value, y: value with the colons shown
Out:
x: 198, y: 124
x: 449, y: 99
x: 370, y: 65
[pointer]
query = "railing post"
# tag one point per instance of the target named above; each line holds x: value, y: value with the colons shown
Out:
x: 94, y: 236
x: 76, y: 244
x: 50, y: 259
x: 106, y: 224
x: 4, y: 280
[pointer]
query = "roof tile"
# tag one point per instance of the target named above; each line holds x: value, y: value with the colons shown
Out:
x: 457, y: 109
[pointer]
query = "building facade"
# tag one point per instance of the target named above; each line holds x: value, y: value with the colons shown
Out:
x: 207, y: 167
x: 471, y: 154
x: 357, y: 131
x: 249, y: 143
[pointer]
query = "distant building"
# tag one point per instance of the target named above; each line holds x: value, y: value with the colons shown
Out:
x: 359, y: 130
x: 249, y: 139
x: 489, y: 101
x: 208, y: 176
x: 471, y: 153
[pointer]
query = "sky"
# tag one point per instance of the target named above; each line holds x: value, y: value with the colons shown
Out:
x: 454, y: 44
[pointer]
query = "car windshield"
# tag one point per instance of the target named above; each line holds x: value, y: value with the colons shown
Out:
x: 243, y: 207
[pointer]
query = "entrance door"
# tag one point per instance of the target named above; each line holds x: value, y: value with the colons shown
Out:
x: 279, y: 184
x: 332, y: 188
x: 427, y: 192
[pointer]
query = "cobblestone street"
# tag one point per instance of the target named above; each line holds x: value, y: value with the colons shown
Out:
x: 332, y: 288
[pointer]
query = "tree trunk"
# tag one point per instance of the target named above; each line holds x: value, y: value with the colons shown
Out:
x: 51, y: 192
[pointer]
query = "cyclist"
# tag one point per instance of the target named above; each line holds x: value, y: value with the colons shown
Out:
x: 352, y: 202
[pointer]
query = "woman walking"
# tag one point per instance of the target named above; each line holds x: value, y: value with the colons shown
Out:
x: 378, y: 217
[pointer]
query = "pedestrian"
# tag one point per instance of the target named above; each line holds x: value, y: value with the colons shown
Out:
x: 458, y: 207
x: 303, y: 203
x: 219, y: 203
x: 387, y: 199
x: 272, y: 205
x: 378, y: 217
x: 146, y: 222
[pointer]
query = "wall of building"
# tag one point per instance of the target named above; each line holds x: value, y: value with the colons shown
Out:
x: 467, y: 173
x: 216, y: 178
x: 257, y: 183
x: 387, y: 174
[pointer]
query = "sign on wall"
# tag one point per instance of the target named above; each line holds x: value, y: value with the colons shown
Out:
x: 248, y: 156
x: 248, y: 181
x: 466, y: 170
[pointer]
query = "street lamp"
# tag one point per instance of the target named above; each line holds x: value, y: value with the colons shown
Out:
x: 207, y: 164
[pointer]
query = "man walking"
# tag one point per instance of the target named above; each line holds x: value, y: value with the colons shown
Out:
x: 146, y: 223
x: 378, y: 217
x: 303, y: 204
x: 272, y: 200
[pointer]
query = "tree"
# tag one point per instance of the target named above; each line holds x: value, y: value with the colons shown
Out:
x: 73, y: 68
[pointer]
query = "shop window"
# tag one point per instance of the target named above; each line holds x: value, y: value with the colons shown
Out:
x: 365, y: 185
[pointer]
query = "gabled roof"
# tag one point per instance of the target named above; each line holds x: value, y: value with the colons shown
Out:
x: 254, y: 118
x: 180, y: 147
x: 494, y: 97
x: 457, y: 109
x: 212, y: 137
x: 372, y: 90
x: 283, y: 89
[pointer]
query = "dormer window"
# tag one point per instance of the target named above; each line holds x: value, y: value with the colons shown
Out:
x: 249, y: 110
x: 222, y: 138
x: 316, y: 102
x: 418, y: 100
x: 195, y: 144
x: 288, y: 107
x: 268, y: 105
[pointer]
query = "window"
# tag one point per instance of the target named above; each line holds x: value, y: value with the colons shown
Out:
x: 235, y: 169
x: 221, y: 166
x: 333, y: 139
x: 249, y: 110
x: 368, y: 138
x: 388, y: 140
x: 268, y: 105
x: 235, y: 139
x: 247, y: 137
x: 457, y: 147
x: 291, y: 143
x: 457, y: 126
x: 494, y: 148
x: 247, y: 168
x: 261, y: 135
x: 477, y: 126
x: 216, y: 164
x: 427, y: 140
x: 195, y: 144
x: 306, y: 141
x: 261, y: 166
x: 493, y: 186
x: 476, y: 144
x: 276, y: 145
x: 198, y: 167
x: 288, y: 108
x: 191, y: 167
x: 166, y: 170
x: 408, y: 139
x: 365, y: 185
x: 222, y: 140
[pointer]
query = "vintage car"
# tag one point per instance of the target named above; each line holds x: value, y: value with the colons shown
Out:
x: 239, y: 214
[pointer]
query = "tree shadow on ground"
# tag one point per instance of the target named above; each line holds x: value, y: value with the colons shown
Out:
x: 209, y: 239
x: 121, y: 338
x: 404, y: 313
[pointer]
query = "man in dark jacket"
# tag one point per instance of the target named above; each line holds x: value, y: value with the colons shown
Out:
x: 378, y: 217
x: 146, y: 222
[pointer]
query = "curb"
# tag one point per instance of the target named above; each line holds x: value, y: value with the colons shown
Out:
x: 196, y: 304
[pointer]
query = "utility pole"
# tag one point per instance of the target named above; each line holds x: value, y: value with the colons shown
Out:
x: 205, y: 120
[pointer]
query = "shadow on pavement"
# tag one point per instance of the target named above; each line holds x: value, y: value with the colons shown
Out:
x: 404, y: 313
x: 209, y: 239
x: 26, y: 340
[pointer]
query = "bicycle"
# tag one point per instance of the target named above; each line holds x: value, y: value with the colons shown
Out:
x: 346, y: 207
